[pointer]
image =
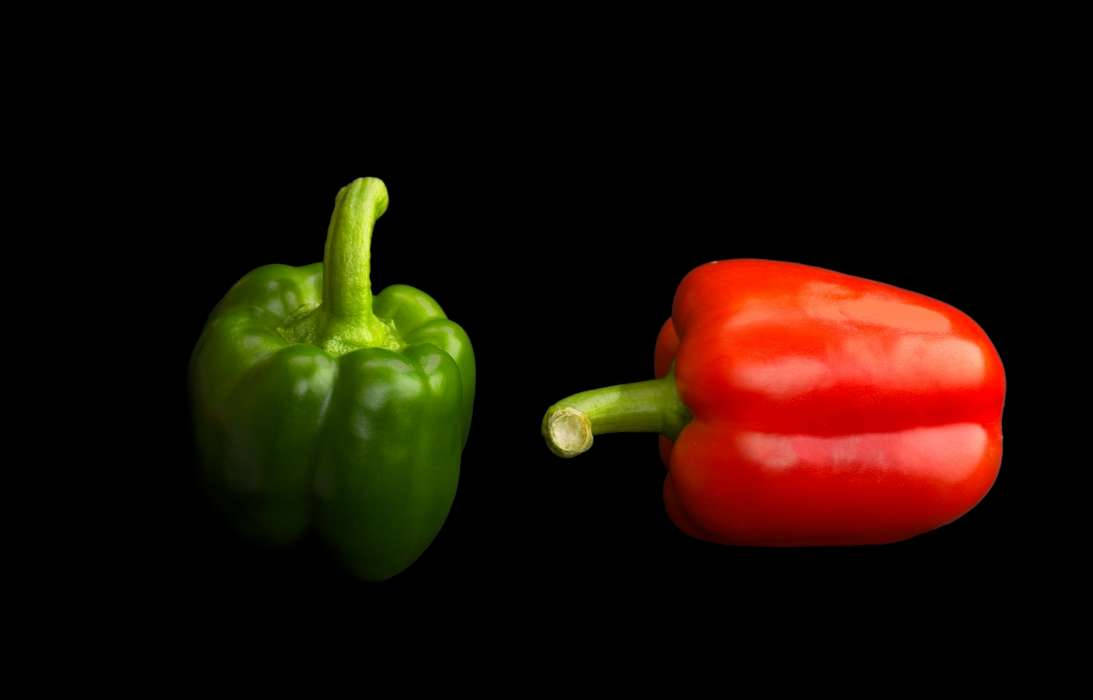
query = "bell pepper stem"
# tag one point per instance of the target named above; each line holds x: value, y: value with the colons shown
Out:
x: 346, y: 317
x: 652, y: 406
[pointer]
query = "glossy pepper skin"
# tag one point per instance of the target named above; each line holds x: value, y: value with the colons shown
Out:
x: 800, y: 406
x: 317, y: 405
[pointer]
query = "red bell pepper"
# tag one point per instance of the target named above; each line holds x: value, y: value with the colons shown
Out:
x: 801, y: 406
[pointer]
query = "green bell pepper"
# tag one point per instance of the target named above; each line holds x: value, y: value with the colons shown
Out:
x: 316, y: 404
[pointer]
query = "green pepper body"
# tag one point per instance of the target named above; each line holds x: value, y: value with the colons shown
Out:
x: 317, y: 405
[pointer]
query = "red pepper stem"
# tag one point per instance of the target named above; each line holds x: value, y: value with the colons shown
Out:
x: 653, y: 406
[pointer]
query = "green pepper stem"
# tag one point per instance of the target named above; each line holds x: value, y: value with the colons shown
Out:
x: 652, y: 406
x: 346, y: 317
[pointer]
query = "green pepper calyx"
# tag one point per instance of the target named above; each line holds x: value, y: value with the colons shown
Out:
x: 344, y: 320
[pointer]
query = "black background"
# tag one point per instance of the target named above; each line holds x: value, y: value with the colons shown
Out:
x: 556, y: 236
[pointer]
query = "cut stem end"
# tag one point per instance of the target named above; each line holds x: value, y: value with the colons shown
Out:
x: 568, y: 432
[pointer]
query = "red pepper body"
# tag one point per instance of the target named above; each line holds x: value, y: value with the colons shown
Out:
x: 827, y: 409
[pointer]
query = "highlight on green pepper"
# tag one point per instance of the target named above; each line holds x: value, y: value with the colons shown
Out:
x: 318, y: 405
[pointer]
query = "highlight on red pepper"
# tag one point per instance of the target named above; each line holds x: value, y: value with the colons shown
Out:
x: 799, y: 406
